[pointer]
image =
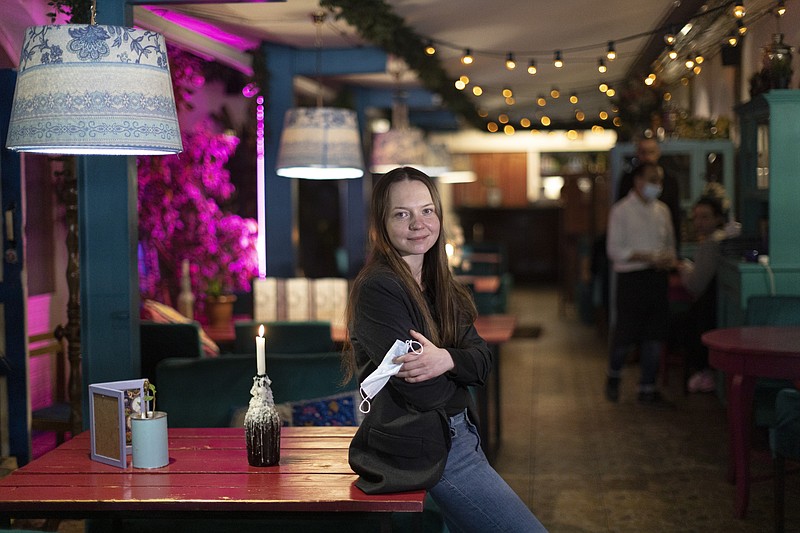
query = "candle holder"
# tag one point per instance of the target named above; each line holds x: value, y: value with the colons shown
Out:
x: 262, y: 425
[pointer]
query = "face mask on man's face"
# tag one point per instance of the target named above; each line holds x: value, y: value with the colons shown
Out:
x: 651, y: 191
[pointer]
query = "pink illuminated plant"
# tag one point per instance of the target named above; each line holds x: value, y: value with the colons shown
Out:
x: 180, y: 215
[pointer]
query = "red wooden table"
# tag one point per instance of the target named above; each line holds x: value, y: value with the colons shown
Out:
x: 745, y: 354
x: 208, y: 475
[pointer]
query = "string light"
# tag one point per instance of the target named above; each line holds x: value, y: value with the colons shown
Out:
x: 610, y: 92
x: 510, y: 63
x: 612, y: 52
x: 669, y: 37
x: 507, y: 93
x: 429, y: 48
x: 603, y: 87
x: 733, y: 39
x: 555, y: 93
x: 476, y: 90
x: 698, y: 59
x: 781, y: 8
x: 573, y: 98
x: 557, y: 61
x: 689, y: 62
x: 532, y: 67
x: 467, y: 58
x: 738, y: 10
x: 541, y: 101
x: 673, y: 54
x: 601, y: 66
x: 740, y: 27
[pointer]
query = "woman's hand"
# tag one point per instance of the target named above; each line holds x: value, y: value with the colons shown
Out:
x: 431, y: 363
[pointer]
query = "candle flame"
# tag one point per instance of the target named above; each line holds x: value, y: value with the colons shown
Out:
x: 261, y: 330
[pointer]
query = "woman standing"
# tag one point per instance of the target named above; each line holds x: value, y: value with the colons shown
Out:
x: 419, y: 431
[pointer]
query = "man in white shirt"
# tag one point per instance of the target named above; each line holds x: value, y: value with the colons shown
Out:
x: 641, y: 247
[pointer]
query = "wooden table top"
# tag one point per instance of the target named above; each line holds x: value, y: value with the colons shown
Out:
x: 207, y: 471
x: 762, y: 351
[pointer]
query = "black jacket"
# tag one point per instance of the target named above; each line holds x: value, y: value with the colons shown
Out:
x: 403, y: 442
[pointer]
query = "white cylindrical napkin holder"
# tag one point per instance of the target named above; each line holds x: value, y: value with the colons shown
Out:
x: 149, y: 441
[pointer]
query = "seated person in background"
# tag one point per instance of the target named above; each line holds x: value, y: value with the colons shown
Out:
x: 699, y: 279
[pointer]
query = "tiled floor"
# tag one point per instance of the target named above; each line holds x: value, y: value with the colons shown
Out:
x: 586, y: 465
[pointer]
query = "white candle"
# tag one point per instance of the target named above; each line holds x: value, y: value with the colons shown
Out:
x: 261, y: 358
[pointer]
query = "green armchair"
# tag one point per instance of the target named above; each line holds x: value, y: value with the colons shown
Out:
x: 784, y: 440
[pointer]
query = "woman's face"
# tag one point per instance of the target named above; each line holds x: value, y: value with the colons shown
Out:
x: 411, y: 221
x: 704, y: 220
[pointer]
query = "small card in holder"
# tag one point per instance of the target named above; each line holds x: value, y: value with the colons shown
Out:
x: 110, y: 407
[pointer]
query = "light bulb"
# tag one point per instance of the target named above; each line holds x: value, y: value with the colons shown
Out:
x: 673, y: 54
x: 555, y: 93
x: 612, y: 52
x: 573, y: 98
x: 739, y: 10
x: 557, y: 61
x: 689, y: 62
x: 510, y: 63
x: 740, y: 27
x: 781, y: 8
x: 532, y: 67
x: 601, y: 66
x: 467, y: 58
x: 430, y: 49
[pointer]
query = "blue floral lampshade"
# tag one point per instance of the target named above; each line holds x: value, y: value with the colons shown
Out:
x: 397, y: 148
x: 93, y: 89
x: 320, y: 143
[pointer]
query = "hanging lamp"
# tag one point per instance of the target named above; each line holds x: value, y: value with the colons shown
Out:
x: 93, y: 89
x: 320, y: 142
x: 403, y: 145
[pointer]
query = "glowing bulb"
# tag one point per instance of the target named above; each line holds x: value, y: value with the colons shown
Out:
x: 781, y: 8
x: 525, y: 122
x: 545, y: 120
x: 739, y: 10
x: 740, y: 27
x: 689, y: 62
x: 510, y: 63
x: 673, y: 54
x: 507, y: 93
x: 460, y: 85
x: 430, y: 49
x: 601, y: 66
x: 541, y: 101
x: 492, y: 127
x: 503, y: 119
x: 557, y: 61
x: 573, y: 98
x: 476, y: 90
x: 467, y: 58
x: 612, y: 52
x: 610, y: 92
x: 733, y: 39
x: 532, y: 67
x: 555, y: 93
x: 508, y: 129
x: 603, y: 115
x: 603, y: 87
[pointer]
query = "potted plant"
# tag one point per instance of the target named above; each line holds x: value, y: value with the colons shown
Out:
x: 183, y: 215
x: 219, y: 303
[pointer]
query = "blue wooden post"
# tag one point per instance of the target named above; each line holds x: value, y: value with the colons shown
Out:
x: 12, y: 296
x: 108, y: 221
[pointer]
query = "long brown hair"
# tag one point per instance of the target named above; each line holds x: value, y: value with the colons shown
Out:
x: 452, y: 302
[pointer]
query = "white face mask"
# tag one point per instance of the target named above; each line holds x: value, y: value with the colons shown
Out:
x: 373, y: 383
x: 651, y: 191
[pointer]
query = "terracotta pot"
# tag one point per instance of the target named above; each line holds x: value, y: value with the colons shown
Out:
x: 219, y: 309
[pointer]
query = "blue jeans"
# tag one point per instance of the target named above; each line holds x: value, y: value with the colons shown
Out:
x: 471, y: 495
x: 649, y: 359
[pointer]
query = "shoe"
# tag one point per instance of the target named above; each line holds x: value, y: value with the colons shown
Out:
x: 702, y: 381
x: 654, y: 400
x: 612, y: 389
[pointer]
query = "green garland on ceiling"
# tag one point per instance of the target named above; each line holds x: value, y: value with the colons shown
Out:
x: 378, y: 24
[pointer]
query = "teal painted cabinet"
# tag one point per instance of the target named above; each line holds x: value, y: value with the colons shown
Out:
x: 768, y: 203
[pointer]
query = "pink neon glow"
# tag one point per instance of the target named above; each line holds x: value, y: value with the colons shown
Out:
x: 261, y: 241
x: 205, y: 29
